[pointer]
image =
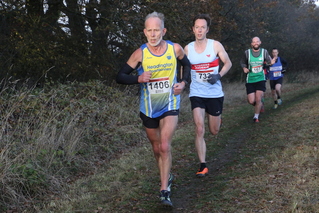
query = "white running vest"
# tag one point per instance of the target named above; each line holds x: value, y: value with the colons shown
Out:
x: 203, y: 64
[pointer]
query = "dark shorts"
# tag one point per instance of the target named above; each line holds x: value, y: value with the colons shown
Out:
x: 253, y: 87
x: 273, y: 83
x: 153, y: 123
x: 213, y: 106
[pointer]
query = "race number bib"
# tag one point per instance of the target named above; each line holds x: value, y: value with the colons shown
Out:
x: 159, y: 85
x: 202, y: 76
x: 277, y: 74
x: 257, y: 69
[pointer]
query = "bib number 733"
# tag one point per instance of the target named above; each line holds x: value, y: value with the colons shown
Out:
x: 202, y: 76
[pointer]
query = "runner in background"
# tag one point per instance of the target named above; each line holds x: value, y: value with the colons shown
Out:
x: 276, y: 74
x: 252, y: 63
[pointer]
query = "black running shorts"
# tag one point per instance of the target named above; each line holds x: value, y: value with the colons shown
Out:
x: 153, y: 123
x: 273, y: 83
x: 213, y: 106
x: 253, y: 87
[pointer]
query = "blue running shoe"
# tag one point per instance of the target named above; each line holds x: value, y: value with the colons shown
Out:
x: 170, y: 181
x: 165, y: 200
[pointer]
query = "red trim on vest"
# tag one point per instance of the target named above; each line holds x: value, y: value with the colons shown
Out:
x: 203, y: 66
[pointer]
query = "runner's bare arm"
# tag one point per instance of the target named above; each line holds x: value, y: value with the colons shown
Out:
x: 179, y: 52
x: 222, y: 54
x: 186, y: 49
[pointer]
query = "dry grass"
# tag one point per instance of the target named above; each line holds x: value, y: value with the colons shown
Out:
x: 280, y: 170
x: 53, y: 136
x: 106, y: 163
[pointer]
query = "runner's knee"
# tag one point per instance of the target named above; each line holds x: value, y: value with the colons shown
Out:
x: 214, y: 131
x: 200, y: 130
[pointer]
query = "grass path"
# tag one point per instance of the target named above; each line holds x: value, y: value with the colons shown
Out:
x: 265, y: 167
x: 234, y: 153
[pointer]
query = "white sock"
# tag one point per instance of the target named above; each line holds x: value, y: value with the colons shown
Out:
x: 256, y: 116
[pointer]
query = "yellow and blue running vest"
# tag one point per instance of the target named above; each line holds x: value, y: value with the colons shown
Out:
x: 157, y: 95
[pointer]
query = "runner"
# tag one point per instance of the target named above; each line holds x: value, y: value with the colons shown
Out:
x: 276, y: 74
x: 156, y: 63
x: 206, y: 93
x: 252, y: 64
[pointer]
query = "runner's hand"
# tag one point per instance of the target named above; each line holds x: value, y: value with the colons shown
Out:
x: 178, y: 88
x: 145, y: 77
x: 213, y: 78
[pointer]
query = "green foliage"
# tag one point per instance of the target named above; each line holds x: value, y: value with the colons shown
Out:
x: 97, y: 37
x: 31, y: 178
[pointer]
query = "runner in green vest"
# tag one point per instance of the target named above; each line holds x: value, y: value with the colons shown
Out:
x: 252, y: 64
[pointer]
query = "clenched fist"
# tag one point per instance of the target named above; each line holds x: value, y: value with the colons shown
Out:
x: 145, y: 77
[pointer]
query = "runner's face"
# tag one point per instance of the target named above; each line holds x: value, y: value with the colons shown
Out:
x: 274, y: 53
x: 154, y: 31
x: 200, y: 29
x: 255, y: 43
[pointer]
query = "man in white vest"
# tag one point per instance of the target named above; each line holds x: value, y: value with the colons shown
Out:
x: 206, y: 93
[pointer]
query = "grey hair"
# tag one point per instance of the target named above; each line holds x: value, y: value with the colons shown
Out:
x: 156, y: 15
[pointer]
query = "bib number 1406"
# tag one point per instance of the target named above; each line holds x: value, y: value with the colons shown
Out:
x: 158, y: 86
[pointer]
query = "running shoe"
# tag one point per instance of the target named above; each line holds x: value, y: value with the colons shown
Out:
x: 165, y: 200
x: 255, y: 120
x: 279, y: 101
x: 170, y: 181
x: 202, y: 173
x: 275, y: 106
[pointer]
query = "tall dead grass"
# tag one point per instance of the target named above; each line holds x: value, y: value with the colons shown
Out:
x: 54, y: 136
x: 50, y: 137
